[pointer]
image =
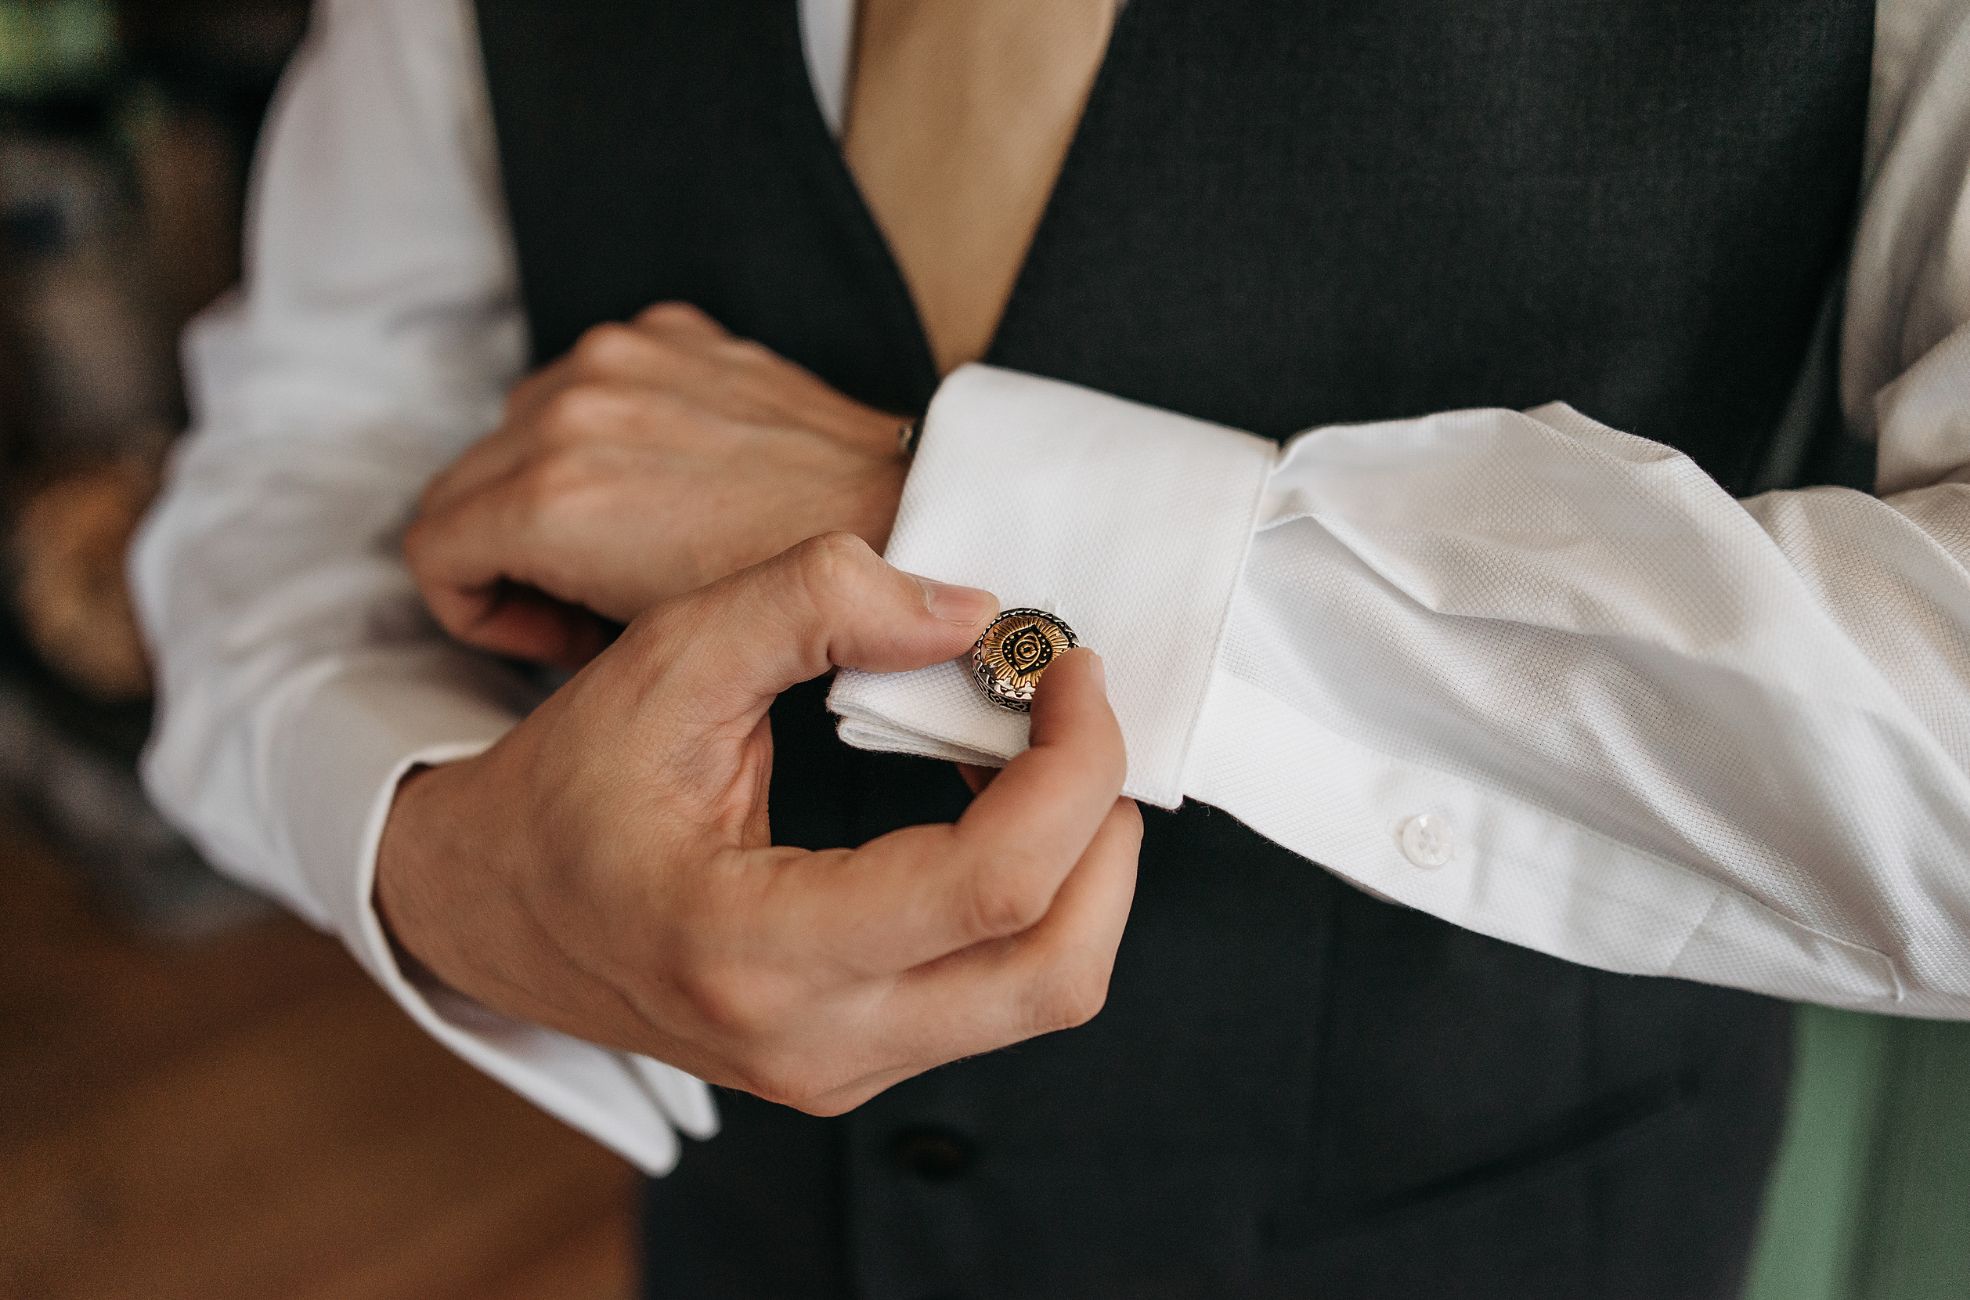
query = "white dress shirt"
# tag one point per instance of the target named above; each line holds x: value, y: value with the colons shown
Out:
x: 1519, y: 670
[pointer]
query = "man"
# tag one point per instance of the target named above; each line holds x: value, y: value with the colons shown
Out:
x: 1552, y: 705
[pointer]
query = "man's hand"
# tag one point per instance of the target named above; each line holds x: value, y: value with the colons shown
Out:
x: 606, y: 868
x: 655, y: 457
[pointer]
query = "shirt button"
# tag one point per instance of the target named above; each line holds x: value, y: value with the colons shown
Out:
x: 1426, y: 840
x: 934, y: 1154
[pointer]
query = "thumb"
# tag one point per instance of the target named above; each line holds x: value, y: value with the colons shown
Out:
x: 522, y: 623
x: 829, y: 602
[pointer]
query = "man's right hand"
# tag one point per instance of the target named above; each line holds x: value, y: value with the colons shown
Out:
x: 606, y: 868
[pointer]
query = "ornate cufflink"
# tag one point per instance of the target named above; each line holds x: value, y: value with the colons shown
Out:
x: 1015, y: 650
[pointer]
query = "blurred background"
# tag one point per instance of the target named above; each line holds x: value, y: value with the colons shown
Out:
x: 198, y: 1097
x: 202, y: 1098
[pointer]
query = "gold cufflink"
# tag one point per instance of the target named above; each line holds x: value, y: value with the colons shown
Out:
x: 1009, y: 658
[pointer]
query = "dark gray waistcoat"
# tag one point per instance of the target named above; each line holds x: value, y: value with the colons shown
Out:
x: 1277, y: 213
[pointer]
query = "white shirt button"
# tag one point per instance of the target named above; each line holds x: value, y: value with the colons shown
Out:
x: 1426, y: 840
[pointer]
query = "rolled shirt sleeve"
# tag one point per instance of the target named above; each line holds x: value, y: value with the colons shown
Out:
x: 298, y: 676
x: 1532, y: 675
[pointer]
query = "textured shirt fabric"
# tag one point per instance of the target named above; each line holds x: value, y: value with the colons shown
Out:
x: 1529, y: 674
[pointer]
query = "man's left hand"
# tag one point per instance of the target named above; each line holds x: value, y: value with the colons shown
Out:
x: 657, y: 456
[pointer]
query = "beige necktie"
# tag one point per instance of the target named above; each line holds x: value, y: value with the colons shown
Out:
x: 958, y: 118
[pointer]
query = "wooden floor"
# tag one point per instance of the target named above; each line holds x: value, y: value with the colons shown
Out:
x: 250, y: 1117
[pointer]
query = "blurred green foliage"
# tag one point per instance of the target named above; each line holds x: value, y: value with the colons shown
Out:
x: 1871, y: 1199
x: 55, y: 47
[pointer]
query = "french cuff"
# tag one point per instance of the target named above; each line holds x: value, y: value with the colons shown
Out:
x: 363, y: 728
x: 1128, y: 522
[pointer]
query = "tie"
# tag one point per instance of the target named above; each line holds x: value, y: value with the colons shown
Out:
x: 958, y: 119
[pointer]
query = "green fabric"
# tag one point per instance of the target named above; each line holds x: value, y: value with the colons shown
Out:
x: 1871, y: 1198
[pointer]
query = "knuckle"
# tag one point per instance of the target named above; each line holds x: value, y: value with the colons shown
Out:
x: 671, y: 313
x: 747, y: 353
x: 835, y: 1102
x: 608, y: 347
x: 1115, y: 762
x: 733, y: 1000
x: 761, y: 1075
x: 1070, y: 999
x: 548, y: 483
x: 1007, y: 902
x: 827, y: 1107
x: 831, y: 562
x: 787, y: 1080
x: 1132, y: 820
x: 576, y: 413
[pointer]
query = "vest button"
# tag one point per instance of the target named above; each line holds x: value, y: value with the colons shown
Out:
x: 932, y: 1153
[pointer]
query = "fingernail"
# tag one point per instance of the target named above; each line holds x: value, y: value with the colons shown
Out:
x: 1098, y: 670
x: 955, y: 604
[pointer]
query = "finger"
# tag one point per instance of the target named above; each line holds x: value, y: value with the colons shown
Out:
x: 991, y: 994
x: 1060, y: 786
x: 490, y: 570
x: 1052, y: 976
x: 458, y: 560
x: 459, y: 555
x: 551, y: 408
x: 681, y: 320
x: 486, y: 461
x: 522, y: 623
x: 732, y: 646
x: 1028, y: 825
x: 747, y: 380
x: 525, y: 398
x: 636, y: 355
x: 839, y: 1101
x: 925, y: 891
x: 670, y: 347
x: 976, y: 777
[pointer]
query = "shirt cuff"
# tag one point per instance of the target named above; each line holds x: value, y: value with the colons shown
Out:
x: 1128, y: 522
x: 364, y: 727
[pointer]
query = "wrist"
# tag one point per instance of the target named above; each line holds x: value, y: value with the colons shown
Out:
x: 410, y: 887
x: 873, y: 509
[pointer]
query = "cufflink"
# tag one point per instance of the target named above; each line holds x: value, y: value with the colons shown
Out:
x: 1009, y: 658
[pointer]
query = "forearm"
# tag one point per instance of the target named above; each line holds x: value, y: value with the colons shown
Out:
x: 299, y: 676
x: 1656, y: 730
x: 299, y: 680
x: 296, y: 669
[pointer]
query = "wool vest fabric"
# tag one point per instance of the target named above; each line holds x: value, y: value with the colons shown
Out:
x: 1276, y: 214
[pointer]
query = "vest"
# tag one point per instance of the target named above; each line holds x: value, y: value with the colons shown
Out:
x: 1275, y: 214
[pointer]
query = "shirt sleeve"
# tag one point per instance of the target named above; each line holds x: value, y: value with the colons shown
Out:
x: 1527, y: 673
x: 299, y: 678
